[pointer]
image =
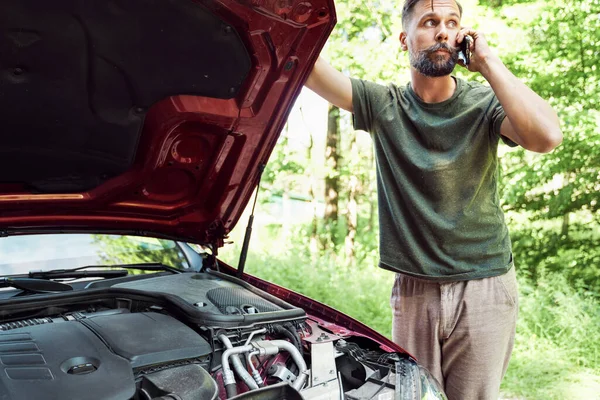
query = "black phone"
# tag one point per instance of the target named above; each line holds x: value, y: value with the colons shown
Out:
x: 464, y: 54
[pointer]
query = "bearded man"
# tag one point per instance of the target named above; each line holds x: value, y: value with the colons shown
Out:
x: 442, y: 230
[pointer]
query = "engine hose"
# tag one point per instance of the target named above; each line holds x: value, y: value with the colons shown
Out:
x: 231, y: 390
x: 237, y: 363
x: 284, y: 332
x: 255, y: 374
x: 297, y: 357
x: 295, y: 333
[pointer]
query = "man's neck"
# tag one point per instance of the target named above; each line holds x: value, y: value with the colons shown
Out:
x: 432, y: 90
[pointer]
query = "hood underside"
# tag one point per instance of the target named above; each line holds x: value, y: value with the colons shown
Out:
x: 151, y: 117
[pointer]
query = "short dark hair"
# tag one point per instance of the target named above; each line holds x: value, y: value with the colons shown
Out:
x: 410, y: 4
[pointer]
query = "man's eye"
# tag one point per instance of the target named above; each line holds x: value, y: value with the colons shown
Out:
x: 429, y: 22
x: 452, y: 24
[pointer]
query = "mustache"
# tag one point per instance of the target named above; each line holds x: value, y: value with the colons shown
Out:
x: 442, y: 46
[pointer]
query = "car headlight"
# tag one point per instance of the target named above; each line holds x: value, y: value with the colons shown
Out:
x: 430, y: 387
x: 384, y: 376
x: 413, y: 382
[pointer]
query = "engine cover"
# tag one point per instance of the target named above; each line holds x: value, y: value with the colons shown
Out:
x: 149, y: 338
x: 41, y: 362
x: 91, y: 358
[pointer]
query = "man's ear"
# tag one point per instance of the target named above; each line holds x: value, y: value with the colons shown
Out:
x: 403, y: 44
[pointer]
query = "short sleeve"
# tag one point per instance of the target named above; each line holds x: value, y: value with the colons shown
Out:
x: 496, y: 119
x: 368, y: 99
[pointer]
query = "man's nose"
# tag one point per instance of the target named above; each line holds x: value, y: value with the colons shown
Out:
x: 442, y: 34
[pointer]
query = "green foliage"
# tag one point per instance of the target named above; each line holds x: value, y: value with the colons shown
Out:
x: 283, y: 170
x: 566, y: 181
x: 502, y: 3
x: 565, y: 39
x: 559, y: 314
x: 559, y: 193
x: 116, y: 250
x: 541, y: 251
x: 365, y: 39
x: 560, y: 65
x: 556, y: 352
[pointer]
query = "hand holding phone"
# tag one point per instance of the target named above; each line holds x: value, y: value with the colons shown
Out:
x: 464, y: 54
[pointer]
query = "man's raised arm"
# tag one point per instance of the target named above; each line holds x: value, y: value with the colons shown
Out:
x: 530, y: 121
x: 331, y: 84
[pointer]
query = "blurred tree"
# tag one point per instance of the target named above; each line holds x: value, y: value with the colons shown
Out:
x: 501, y: 3
x: 332, y: 179
x: 560, y: 63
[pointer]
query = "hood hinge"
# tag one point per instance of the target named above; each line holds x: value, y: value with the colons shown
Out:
x: 216, y: 234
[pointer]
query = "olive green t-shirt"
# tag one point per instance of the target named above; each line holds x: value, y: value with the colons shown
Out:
x: 437, y: 180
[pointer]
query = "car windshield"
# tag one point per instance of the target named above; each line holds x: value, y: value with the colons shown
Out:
x: 21, y: 254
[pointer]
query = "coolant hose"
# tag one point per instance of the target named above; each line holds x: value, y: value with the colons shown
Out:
x: 285, y: 332
x: 297, y: 340
x: 255, y: 374
x: 231, y: 390
x: 237, y: 363
x: 297, y: 357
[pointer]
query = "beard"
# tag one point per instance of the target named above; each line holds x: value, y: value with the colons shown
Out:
x: 428, y: 63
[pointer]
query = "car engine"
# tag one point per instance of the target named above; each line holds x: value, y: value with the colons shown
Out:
x: 185, y: 337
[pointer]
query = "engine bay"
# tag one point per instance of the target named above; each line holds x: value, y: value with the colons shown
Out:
x: 186, y: 336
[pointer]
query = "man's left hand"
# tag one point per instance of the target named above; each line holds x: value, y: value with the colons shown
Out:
x: 480, y: 51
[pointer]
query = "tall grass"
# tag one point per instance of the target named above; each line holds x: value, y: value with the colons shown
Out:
x: 557, y: 351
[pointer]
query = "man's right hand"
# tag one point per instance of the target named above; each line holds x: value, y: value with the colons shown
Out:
x: 330, y: 84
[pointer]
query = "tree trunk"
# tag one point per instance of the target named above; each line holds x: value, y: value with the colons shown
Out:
x: 566, y: 220
x: 314, y: 226
x: 285, y: 197
x: 351, y: 220
x: 332, y: 174
x: 354, y: 191
x: 565, y: 225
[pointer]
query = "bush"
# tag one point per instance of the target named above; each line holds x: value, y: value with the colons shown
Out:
x: 541, y: 249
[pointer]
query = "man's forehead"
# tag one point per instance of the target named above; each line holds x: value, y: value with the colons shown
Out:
x: 428, y: 6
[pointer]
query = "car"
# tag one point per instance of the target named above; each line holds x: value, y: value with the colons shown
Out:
x: 133, y: 136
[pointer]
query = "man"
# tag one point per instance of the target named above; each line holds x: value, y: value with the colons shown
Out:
x: 441, y: 227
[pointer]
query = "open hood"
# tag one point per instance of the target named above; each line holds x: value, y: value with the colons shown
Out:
x: 148, y: 117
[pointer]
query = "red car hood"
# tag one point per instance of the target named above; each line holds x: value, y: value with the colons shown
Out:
x: 148, y: 117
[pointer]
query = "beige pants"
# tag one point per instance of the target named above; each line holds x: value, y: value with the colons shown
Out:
x: 462, y: 332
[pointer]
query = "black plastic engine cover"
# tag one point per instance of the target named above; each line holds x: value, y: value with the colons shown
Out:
x: 94, y: 357
x: 149, y: 338
x: 41, y: 362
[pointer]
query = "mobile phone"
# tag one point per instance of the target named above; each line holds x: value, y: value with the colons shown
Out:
x: 464, y: 54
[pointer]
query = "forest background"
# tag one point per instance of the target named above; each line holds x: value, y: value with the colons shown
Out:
x: 316, y: 222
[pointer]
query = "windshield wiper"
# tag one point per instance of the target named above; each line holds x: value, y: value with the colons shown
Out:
x: 35, y: 285
x: 40, y: 281
x: 76, y: 274
x: 80, y: 272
